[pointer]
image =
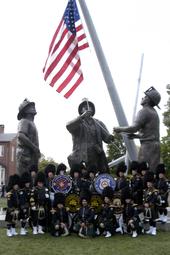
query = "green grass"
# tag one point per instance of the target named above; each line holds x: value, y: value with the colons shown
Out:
x: 73, y: 245
x: 3, y: 202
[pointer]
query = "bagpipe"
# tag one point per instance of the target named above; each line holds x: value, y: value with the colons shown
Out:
x: 64, y: 184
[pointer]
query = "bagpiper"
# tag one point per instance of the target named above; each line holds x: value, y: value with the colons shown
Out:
x: 122, y: 184
x: 161, y: 184
x: 107, y: 223
x: 24, y: 194
x: 39, y: 202
x: 12, y: 204
x: 136, y: 183
x: 151, y: 202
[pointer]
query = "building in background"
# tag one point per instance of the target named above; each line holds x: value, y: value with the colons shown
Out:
x: 7, y: 154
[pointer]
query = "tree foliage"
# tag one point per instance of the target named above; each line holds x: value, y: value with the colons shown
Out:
x: 116, y: 149
x: 45, y: 161
x: 165, y: 141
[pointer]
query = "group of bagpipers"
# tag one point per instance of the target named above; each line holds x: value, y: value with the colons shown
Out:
x: 134, y: 206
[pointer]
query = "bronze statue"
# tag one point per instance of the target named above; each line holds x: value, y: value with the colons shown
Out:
x: 147, y: 126
x: 27, y: 152
x: 88, y: 135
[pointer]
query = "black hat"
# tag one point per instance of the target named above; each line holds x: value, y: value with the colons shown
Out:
x: 127, y: 195
x: 149, y: 176
x: 76, y: 168
x: 25, y: 178
x: 40, y: 178
x: 83, y: 165
x: 50, y: 168
x: 143, y: 166
x: 14, y: 179
x: 23, y: 106
x: 134, y: 165
x: 86, y: 103
x: 61, y: 167
x: 121, y: 168
x: 160, y: 168
x: 92, y: 169
x: 59, y: 198
x: 108, y: 192
x: 33, y: 168
x: 85, y: 194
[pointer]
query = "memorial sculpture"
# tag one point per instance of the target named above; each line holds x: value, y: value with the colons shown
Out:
x: 146, y: 129
x: 27, y: 151
x: 88, y: 135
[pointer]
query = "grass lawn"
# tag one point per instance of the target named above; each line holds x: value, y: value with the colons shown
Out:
x: 3, y: 202
x: 73, y: 245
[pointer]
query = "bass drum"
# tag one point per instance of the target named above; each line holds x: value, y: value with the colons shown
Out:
x: 96, y: 203
x: 62, y: 184
x: 72, y: 202
x: 102, y: 181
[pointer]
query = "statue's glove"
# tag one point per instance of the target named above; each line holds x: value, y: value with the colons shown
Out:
x: 117, y: 129
x: 111, y: 138
x: 86, y: 114
x: 132, y: 136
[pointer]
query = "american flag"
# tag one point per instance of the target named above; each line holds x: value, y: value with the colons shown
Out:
x: 62, y: 69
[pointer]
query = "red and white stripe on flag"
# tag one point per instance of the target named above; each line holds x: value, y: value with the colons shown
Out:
x: 62, y: 69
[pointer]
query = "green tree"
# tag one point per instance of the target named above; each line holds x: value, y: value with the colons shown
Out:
x: 165, y: 141
x: 45, y: 161
x: 116, y: 149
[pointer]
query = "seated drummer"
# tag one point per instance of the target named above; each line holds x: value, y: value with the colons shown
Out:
x: 84, y: 220
x: 60, y: 217
x: 131, y: 215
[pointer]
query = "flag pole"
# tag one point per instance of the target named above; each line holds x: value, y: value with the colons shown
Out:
x: 138, y: 87
x: 130, y: 145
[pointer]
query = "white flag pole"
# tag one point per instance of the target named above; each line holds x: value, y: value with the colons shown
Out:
x: 130, y: 145
x: 138, y: 87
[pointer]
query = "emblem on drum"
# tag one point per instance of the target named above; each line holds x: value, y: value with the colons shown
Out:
x: 104, y: 180
x: 96, y: 202
x: 62, y: 183
x: 72, y: 202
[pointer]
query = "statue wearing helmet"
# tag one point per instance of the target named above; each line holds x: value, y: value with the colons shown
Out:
x: 153, y: 95
x: 146, y: 125
x: 27, y: 152
x: 88, y: 135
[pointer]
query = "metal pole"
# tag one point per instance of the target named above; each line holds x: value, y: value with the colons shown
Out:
x: 138, y: 87
x: 130, y: 145
x: 136, y: 102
